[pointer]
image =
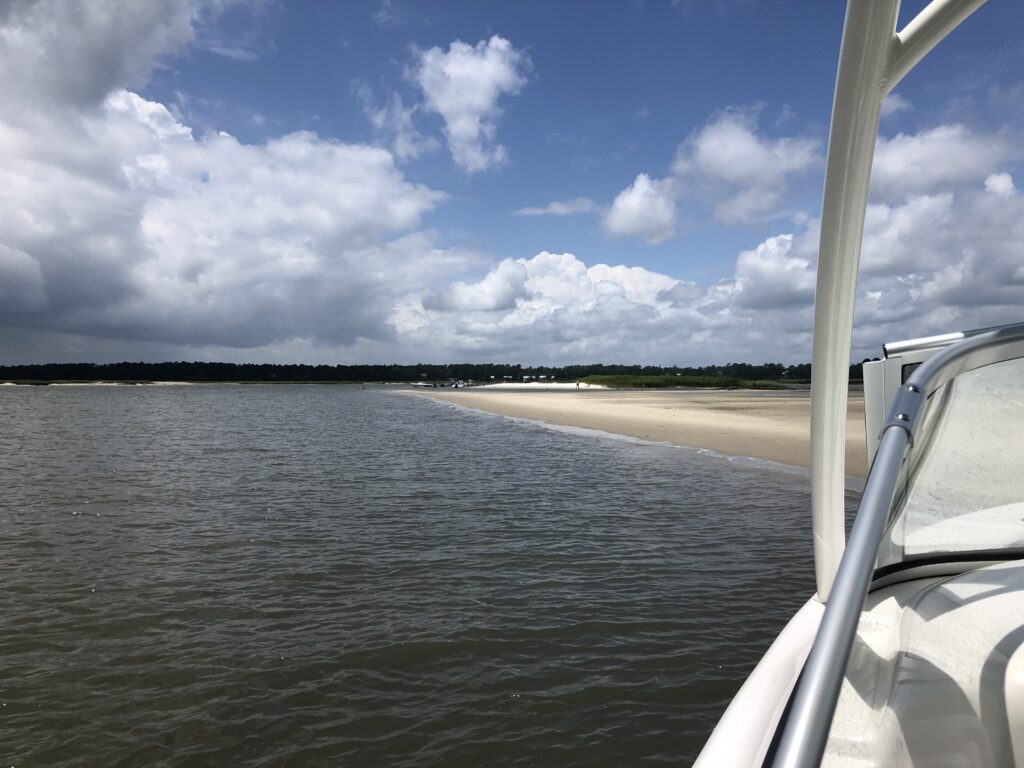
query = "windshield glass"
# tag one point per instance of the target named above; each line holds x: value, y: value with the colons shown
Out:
x: 962, y: 487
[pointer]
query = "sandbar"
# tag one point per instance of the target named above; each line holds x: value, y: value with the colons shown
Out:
x: 770, y: 425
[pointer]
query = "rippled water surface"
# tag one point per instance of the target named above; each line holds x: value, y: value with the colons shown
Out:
x: 324, y: 575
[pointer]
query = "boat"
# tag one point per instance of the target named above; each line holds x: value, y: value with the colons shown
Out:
x: 911, y: 650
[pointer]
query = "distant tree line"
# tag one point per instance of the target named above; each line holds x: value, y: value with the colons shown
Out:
x: 213, y: 372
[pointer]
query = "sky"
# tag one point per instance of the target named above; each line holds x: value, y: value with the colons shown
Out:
x: 532, y: 182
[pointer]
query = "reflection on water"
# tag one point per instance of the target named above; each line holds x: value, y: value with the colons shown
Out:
x: 322, y: 575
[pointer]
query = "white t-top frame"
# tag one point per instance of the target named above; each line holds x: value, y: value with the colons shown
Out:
x: 873, y: 59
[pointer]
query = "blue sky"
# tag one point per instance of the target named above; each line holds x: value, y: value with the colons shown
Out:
x: 611, y: 90
x: 288, y: 181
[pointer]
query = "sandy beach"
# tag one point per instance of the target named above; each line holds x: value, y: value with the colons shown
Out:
x: 761, y: 424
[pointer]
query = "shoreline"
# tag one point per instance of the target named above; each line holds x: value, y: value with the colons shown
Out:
x: 766, y: 425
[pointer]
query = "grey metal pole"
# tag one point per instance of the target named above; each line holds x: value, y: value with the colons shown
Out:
x: 810, y: 718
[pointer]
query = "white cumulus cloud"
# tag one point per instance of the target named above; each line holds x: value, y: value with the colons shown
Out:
x: 464, y: 85
x: 893, y: 104
x: 727, y: 166
x: 645, y: 208
x: 563, y: 310
x: 163, y: 236
x: 940, y: 262
x: 743, y: 174
x: 931, y: 263
x: 118, y: 222
x: 1000, y: 184
x: 934, y: 159
x: 772, y: 276
x: 499, y: 289
x: 63, y: 51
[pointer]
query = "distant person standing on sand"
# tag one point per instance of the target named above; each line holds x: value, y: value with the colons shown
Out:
x: 577, y: 385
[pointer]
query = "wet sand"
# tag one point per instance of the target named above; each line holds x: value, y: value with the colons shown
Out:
x: 761, y: 424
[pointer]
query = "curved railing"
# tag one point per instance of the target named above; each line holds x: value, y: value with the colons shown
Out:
x: 807, y: 726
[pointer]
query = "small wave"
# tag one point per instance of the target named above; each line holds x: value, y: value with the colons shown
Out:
x: 751, y: 462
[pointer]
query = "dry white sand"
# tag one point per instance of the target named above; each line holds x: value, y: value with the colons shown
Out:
x: 763, y: 424
x: 531, y: 386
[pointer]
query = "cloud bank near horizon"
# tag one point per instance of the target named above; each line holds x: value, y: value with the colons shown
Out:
x: 124, y: 234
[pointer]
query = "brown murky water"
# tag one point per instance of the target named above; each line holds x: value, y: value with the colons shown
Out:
x: 316, y: 575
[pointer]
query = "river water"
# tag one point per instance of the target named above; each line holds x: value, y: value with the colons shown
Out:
x: 301, y: 575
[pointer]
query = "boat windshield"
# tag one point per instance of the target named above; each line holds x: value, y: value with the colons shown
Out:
x: 962, y: 487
